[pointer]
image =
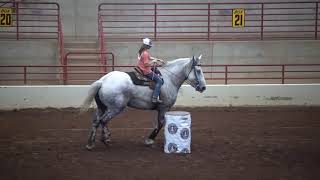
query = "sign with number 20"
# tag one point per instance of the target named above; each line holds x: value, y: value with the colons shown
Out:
x: 5, y: 17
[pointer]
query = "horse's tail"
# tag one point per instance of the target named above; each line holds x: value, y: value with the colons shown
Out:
x: 94, y: 88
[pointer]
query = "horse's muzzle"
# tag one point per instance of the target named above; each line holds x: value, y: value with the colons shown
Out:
x: 201, y: 89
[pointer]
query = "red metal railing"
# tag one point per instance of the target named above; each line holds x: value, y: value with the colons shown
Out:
x: 34, y: 20
x: 61, y: 41
x: 218, y: 74
x: 5, y: 4
x: 101, y: 42
x: 102, y: 63
x: 40, y: 73
x: 208, y: 21
x: 263, y: 73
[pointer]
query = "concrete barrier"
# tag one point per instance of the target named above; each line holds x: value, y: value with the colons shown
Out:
x: 21, y: 97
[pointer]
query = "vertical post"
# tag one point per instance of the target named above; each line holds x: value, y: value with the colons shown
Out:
x: 282, y: 78
x: 226, y: 75
x: 103, y: 50
x: 112, y: 56
x: 99, y: 35
x: 316, y: 24
x: 60, y: 39
x: 24, y: 75
x: 104, y: 62
x: 209, y: 19
x: 104, y: 69
x: 17, y: 19
x: 101, y: 47
x: 65, y: 69
x: 155, y: 21
x: 262, y: 17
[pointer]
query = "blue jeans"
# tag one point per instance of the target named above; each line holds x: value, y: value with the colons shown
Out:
x: 153, y: 76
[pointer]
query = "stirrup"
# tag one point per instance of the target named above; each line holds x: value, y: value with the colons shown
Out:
x: 156, y: 100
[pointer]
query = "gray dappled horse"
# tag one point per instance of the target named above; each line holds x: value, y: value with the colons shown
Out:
x: 115, y: 91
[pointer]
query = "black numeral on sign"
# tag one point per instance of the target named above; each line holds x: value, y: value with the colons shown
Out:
x: 238, y: 20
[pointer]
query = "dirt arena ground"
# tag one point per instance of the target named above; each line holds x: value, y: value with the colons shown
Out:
x: 227, y: 144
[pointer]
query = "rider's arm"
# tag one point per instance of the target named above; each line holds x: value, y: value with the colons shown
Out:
x: 146, y: 59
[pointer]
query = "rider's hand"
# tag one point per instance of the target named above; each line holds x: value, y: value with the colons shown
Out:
x: 155, y: 61
x: 161, y: 62
x: 158, y: 62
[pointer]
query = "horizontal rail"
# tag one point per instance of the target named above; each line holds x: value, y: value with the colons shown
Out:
x: 68, y: 54
x: 216, y: 73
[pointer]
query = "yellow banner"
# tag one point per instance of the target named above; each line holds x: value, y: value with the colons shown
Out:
x: 5, y: 17
x: 238, y: 18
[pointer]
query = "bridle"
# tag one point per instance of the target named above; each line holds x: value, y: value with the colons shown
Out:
x: 196, y: 85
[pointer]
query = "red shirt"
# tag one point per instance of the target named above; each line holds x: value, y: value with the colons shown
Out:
x: 142, y: 60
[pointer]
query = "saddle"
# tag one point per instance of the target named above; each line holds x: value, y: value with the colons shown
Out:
x: 138, y: 78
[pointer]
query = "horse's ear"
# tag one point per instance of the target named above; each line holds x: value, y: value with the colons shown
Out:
x: 198, y: 59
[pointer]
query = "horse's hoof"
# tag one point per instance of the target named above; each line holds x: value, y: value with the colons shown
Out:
x: 148, y: 142
x: 106, y: 141
x: 89, y: 147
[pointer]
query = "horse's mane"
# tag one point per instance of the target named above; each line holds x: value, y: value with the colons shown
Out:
x: 176, y: 61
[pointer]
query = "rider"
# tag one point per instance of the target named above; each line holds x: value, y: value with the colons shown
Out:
x: 145, y: 63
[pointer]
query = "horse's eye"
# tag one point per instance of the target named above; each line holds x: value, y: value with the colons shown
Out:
x: 198, y: 71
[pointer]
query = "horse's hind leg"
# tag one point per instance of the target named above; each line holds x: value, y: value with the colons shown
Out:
x: 95, y: 125
x: 108, y: 115
x: 105, y: 135
x: 96, y: 121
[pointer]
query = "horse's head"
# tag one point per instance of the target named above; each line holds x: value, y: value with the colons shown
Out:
x: 196, y: 76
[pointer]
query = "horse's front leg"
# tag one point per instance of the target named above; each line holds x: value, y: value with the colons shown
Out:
x: 155, y: 132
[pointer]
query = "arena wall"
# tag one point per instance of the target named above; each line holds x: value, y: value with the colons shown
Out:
x: 20, y: 97
x: 29, y: 52
x: 228, y: 52
x: 214, y: 52
x: 79, y: 17
x: 79, y: 20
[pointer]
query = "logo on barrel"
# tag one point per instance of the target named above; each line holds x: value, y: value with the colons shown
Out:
x: 184, y: 118
x: 185, y: 150
x: 184, y: 133
x: 172, y: 128
x: 172, y: 147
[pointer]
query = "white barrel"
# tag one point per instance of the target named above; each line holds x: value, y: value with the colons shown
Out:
x: 177, y: 132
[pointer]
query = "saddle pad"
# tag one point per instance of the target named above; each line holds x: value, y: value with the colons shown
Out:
x: 137, y: 81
